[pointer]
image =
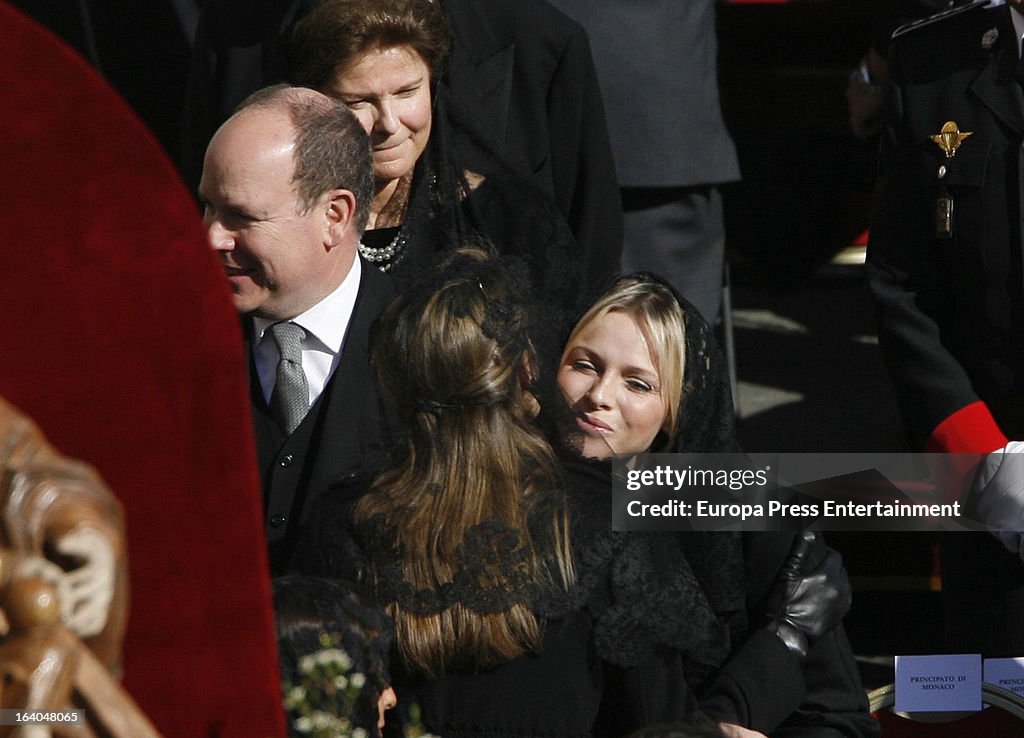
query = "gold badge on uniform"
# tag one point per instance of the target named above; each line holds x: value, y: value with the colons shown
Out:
x: 988, y: 40
x: 950, y: 138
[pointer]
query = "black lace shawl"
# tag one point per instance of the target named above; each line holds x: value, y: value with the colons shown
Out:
x: 504, y: 212
x: 707, y: 425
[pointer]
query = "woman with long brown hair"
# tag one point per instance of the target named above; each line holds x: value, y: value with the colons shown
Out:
x: 478, y: 500
x: 466, y: 537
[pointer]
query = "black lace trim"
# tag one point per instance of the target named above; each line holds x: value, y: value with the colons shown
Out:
x: 645, y: 595
x: 491, y: 572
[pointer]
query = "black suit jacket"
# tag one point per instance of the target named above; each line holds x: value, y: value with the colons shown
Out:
x: 950, y: 308
x: 522, y: 80
x: 346, y: 432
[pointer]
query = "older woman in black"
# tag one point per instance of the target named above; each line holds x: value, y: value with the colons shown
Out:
x: 436, y: 186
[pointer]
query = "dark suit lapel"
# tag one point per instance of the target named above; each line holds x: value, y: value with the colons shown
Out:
x: 268, y: 434
x: 255, y: 391
x: 350, y: 419
x: 996, y: 86
x: 480, y: 70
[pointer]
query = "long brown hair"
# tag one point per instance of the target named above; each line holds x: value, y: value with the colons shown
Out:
x: 457, y: 362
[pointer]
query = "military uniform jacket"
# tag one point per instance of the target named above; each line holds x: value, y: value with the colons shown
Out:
x: 345, y: 432
x: 948, y: 291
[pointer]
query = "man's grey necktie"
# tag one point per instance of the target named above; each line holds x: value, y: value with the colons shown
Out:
x: 290, y: 401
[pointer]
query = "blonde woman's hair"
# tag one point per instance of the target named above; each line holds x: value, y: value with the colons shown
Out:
x: 457, y: 363
x: 659, y: 316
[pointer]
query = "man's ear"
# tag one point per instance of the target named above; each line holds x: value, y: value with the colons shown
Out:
x: 340, y: 215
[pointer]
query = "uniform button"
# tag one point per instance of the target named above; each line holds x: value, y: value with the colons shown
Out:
x: 942, y: 171
x: 287, y: 460
x: 276, y: 521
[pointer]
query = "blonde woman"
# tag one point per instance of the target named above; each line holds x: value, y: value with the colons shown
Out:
x: 758, y: 644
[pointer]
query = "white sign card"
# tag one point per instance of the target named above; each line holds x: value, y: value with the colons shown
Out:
x: 946, y: 683
x: 1006, y: 673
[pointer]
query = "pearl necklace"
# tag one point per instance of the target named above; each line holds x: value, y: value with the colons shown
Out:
x: 385, y: 257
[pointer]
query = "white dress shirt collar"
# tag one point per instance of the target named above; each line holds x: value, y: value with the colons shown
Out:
x: 1018, y: 26
x: 326, y: 324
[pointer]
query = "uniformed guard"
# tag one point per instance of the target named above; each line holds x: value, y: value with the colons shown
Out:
x: 944, y: 268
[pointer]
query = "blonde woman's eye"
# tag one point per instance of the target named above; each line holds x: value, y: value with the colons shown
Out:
x: 583, y: 366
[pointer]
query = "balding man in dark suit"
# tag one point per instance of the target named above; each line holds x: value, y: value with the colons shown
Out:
x: 286, y: 229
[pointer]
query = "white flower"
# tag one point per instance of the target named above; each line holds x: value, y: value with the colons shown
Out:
x: 303, y: 724
x: 358, y: 680
x: 325, y: 657
x: 333, y: 656
x: 340, y: 682
x: 359, y: 733
x: 296, y: 695
x: 323, y: 720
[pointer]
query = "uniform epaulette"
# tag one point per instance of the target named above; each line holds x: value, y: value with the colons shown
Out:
x: 938, y: 17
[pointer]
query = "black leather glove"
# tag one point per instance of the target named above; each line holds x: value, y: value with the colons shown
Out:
x: 808, y: 599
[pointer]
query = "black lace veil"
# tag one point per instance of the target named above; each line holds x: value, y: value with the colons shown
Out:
x: 506, y: 213
x: 490, y: 573
x: 707, y: 416
x: 707, y: 425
